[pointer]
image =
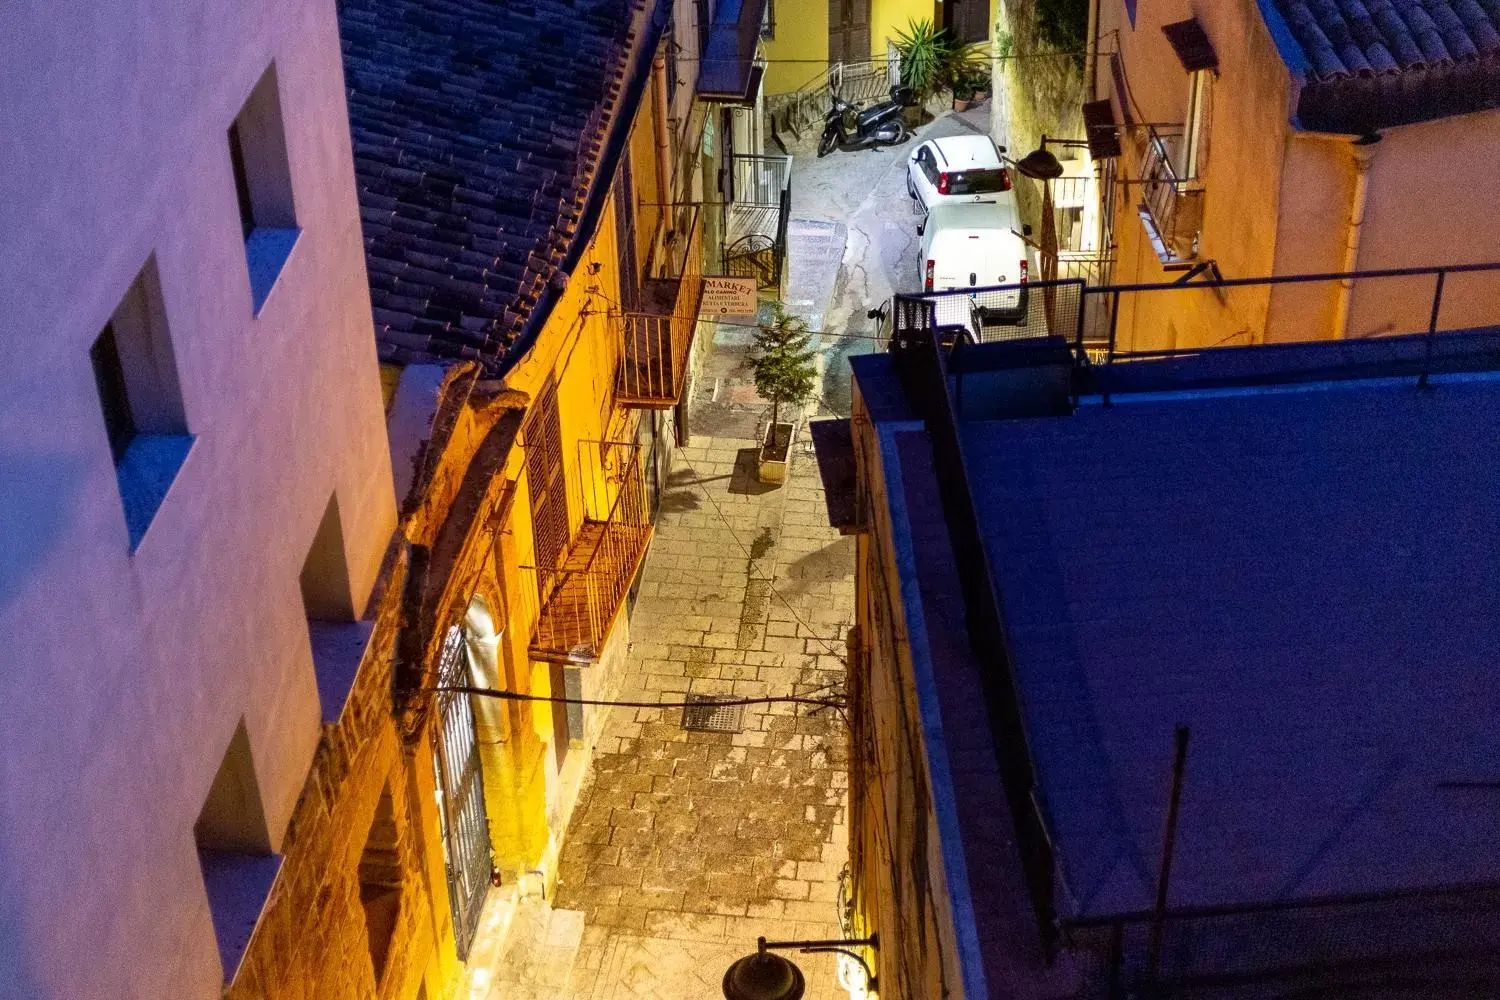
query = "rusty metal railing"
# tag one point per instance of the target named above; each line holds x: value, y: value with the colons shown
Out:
x: 656, y: 343
x: 586, y: 593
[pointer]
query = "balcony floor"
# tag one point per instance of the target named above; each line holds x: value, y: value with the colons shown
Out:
x: 565, y: 625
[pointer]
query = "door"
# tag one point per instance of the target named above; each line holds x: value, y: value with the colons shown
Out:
x: 547, y: 488
x: 848, y: 31
x: 967, y: 20
x: 460, y: 786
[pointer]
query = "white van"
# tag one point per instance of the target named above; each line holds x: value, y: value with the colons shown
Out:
x: 977, y: 245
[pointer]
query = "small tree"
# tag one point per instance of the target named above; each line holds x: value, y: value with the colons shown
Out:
x: 782, y: 362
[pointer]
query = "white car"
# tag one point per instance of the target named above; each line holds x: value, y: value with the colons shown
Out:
x: 956, y: 168
x: 969, y: 245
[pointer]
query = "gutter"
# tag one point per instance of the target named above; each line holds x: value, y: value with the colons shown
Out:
x: 604, y: 174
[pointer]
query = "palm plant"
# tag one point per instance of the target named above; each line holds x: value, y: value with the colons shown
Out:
x: 925, y: 52
x: 782, y: 363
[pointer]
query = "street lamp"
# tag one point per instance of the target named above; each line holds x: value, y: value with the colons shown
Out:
x: 1040, y: 164
x: 767, y: 976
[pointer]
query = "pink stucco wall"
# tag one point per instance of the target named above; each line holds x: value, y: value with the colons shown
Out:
x: 123, y: 675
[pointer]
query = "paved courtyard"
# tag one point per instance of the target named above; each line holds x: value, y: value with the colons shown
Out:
x: 686, y: 846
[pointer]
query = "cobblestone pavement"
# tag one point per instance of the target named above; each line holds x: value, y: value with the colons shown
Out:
x: 688, y: 845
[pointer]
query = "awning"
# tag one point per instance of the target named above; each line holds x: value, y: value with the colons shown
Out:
x: 833, y: 442
x: 1099, y: 128
x: 728, y: 74
x: 1191, y: 44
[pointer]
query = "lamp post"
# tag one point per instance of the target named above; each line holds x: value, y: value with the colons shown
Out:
x: 765, y: 975
x: 1042, y: 165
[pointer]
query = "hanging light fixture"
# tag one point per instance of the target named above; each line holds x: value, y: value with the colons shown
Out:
x: 767, y: 976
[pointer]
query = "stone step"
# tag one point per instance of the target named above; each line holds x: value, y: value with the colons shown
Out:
x: 540, y: 952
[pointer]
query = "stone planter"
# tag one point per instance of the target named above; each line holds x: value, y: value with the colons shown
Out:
x: 776, y: 453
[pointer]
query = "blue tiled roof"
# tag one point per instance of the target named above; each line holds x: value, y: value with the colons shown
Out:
x: 1306, y: 577
x: 1371, y: 64
x: 477, y: 125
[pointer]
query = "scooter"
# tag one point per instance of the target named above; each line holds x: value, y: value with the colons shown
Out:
x: 847, y: 127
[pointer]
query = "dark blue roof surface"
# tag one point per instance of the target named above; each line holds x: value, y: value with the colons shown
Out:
x: 477, y: 125
x: 1306, y: 577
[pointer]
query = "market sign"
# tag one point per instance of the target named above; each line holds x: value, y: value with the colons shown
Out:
x: 725, y: 296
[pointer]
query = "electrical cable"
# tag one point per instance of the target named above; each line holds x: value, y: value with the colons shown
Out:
x: 837, y: 704
x: 786, y: 61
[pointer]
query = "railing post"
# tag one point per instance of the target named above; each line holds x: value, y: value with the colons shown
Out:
x: 1432, y: 324
x: 1109, y: 351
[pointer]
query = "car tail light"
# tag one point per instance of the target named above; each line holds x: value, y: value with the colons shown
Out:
x: 1025, y: 271
x: 1004, y: 179
x: 942, y: 183
x: 930, y: 268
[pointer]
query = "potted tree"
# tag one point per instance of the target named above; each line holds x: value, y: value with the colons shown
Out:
x: 785, y: 373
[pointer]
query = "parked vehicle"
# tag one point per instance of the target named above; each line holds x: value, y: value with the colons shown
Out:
x: 957, y: 168
x: 977, y: 245
x: 848, y: 127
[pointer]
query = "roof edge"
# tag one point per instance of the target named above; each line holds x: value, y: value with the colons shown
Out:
x: 599, y: 185
x: 1286, y: 43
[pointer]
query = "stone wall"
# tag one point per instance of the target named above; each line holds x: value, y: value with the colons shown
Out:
x: 312, y: 940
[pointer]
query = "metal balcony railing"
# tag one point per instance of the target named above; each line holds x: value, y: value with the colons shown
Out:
x: 1171, y: 205
x: 579, y: 599
x: 757, y: 211
x: 656, y: 342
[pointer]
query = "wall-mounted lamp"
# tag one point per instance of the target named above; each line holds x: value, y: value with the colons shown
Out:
x: 767, y: 976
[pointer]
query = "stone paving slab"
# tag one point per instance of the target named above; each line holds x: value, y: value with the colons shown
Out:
x: 686, y: 846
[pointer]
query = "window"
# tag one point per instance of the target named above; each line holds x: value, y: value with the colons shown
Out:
x: 768, y: 21
x: 263, y: 186
x: 241, y: 181
x: 234, y: 851
x: 135, y: 375
x: 380, y: 883
x: 109, y: 376
x: 326, y: 595
x: 1130, y: 10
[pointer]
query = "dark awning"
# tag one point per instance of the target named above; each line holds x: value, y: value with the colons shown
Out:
x: 728, y: 72
x: 1191, y: 44
x: 1099, y: 128
x: 833, y: 442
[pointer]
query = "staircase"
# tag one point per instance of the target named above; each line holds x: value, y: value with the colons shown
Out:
x: 538, y: 960
x: 793, y: 116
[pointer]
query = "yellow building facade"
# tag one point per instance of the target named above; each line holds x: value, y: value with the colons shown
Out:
x: 806, y: 36
x: 526, y: 518
x: 1227, y: 165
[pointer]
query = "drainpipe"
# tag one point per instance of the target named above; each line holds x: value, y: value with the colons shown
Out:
x: 1364, y: 154
x: 663, y: 134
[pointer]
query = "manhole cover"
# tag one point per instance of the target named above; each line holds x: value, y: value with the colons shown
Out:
x: 706, y: 714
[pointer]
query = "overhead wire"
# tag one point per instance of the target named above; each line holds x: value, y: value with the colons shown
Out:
x: 837, y: 704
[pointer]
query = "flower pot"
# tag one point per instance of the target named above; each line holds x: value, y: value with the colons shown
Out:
x: 959, y: 104
x: 776, y: 452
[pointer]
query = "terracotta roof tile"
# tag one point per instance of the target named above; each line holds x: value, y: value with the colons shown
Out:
x: 476, y: 125
x: 1373, y: 64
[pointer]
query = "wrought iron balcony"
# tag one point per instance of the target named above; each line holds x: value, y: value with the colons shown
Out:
x: 757, y: 210
x: 657, y: 340
x: 580, y: 598
x: 1171, y: 206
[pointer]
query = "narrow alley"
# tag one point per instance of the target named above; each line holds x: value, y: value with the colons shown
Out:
x: 688, y: 845
x: 691, y: 838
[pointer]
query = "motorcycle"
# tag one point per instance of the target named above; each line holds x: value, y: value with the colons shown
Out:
x: 847, y: 127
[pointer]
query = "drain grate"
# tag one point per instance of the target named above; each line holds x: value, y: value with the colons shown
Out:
x: 706, y: 714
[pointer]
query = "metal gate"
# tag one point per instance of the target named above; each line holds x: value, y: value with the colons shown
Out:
x: 466, y: 829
